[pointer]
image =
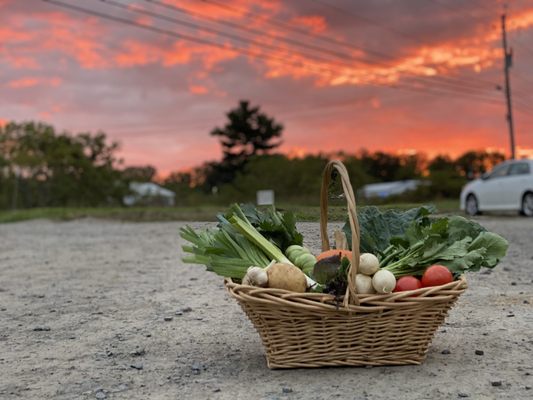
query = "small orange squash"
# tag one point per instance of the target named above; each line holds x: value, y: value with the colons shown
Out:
x: 334, y: 252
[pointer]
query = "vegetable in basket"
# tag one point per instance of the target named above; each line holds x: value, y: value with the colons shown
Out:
x: 407, y: 283
x: 384, y: 281
x: 363, y: 284
x: 301, y: 257
x: 407, y: 242
x: 334, y: 252
x: 236, y: 244
x: 229, y: 252
x: 278, y: 276
x: 436, y: 275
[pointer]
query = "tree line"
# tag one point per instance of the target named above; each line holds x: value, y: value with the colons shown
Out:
x: 41, y: 167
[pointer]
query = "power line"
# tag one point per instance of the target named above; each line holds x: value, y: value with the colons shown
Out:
x: 448, y: 81
x: 240, y: 27
x: 280, y: 60
x: 474, y: 84
x: 345, y: 11
x: 367, y: 20
x: 446, y: 86
x: 435, y: 91
x: 208, y: 29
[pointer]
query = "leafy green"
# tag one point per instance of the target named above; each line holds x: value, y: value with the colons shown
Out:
x: 244, y: 237
x: 377, y: 227
x: 250, y: 233
x: 406, y: 242
x: 459, y: 244
x: 278, y: 227
x: 223, y: 251
x: 494, y: 247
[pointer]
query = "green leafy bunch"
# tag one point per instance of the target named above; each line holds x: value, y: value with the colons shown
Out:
x: 407, y: 242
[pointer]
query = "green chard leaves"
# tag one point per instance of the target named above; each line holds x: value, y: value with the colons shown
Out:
x: 410, y: 241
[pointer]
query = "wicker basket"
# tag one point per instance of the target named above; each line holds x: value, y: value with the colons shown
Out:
x: 313, y: 330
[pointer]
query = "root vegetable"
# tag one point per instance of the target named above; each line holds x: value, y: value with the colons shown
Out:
x: 368, y: 264
x: 286, y: 276
x: 363, y: 284
x: 256, y: 276
x: 383, y: 281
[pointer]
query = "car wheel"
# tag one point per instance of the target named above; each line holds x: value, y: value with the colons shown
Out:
x: 471, y: 206
x: 527, y: 205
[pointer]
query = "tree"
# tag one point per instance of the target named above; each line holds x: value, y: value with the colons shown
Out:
x: 382, y: 166
x: 444, y: 177
x: 144, y: 173
x: 248, y: 133
x: 474, y: 163
x: 45, y: 168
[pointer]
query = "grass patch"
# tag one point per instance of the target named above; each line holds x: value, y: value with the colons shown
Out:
x: 135, y: 214
x: 199, y: 213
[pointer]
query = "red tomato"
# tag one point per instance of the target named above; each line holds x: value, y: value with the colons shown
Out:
x: 407, y: 283
x: 436, y: 275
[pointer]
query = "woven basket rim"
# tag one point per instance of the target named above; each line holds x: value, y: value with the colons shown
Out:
x: 367, y: 302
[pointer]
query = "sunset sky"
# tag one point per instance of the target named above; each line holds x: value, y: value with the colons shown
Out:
x: 393, y: 75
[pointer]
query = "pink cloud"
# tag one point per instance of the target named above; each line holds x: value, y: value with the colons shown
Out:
x: 29, y: 81
x: 315, y: 23
x: 198, y: 89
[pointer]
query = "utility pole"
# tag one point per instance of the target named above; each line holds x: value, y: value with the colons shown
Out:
x: 507, y: 63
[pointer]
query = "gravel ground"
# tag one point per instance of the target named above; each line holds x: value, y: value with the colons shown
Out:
x: 92, y: 309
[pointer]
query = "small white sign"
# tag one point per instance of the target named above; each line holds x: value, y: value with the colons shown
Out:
x: 265, y: 197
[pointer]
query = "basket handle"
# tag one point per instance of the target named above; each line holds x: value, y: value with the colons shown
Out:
x: 351, y: 294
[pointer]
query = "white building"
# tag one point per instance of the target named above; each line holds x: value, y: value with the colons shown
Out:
x: 149, y: 193
x: 387, y: 189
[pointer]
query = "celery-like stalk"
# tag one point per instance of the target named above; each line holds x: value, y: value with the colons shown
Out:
x: 259, y: 240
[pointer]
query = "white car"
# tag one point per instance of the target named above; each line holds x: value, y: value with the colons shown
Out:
x: 508, y: 187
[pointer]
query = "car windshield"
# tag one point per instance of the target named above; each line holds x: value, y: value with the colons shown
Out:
x: 499, y: 171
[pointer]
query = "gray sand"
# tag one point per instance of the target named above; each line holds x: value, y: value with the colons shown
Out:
x: 92, y: 309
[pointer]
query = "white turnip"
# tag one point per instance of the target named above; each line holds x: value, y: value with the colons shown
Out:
x: 363, y: 284
x: 383, y: 281
x: 368, y: 264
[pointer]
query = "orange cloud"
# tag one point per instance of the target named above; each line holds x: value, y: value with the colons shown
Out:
x: 134, y: 53
x: 198, y: 89
x: 476, y: 52
x: 8, y: 35
x: 3, y: 122
x: 43, y: 33
x: 236, y: 10
x: 33, y: 81
x: 81, y: 39
x: 315, y: 23
x: 520, y: 20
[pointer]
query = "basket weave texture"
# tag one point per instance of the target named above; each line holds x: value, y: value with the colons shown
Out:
x: 315, y: 330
